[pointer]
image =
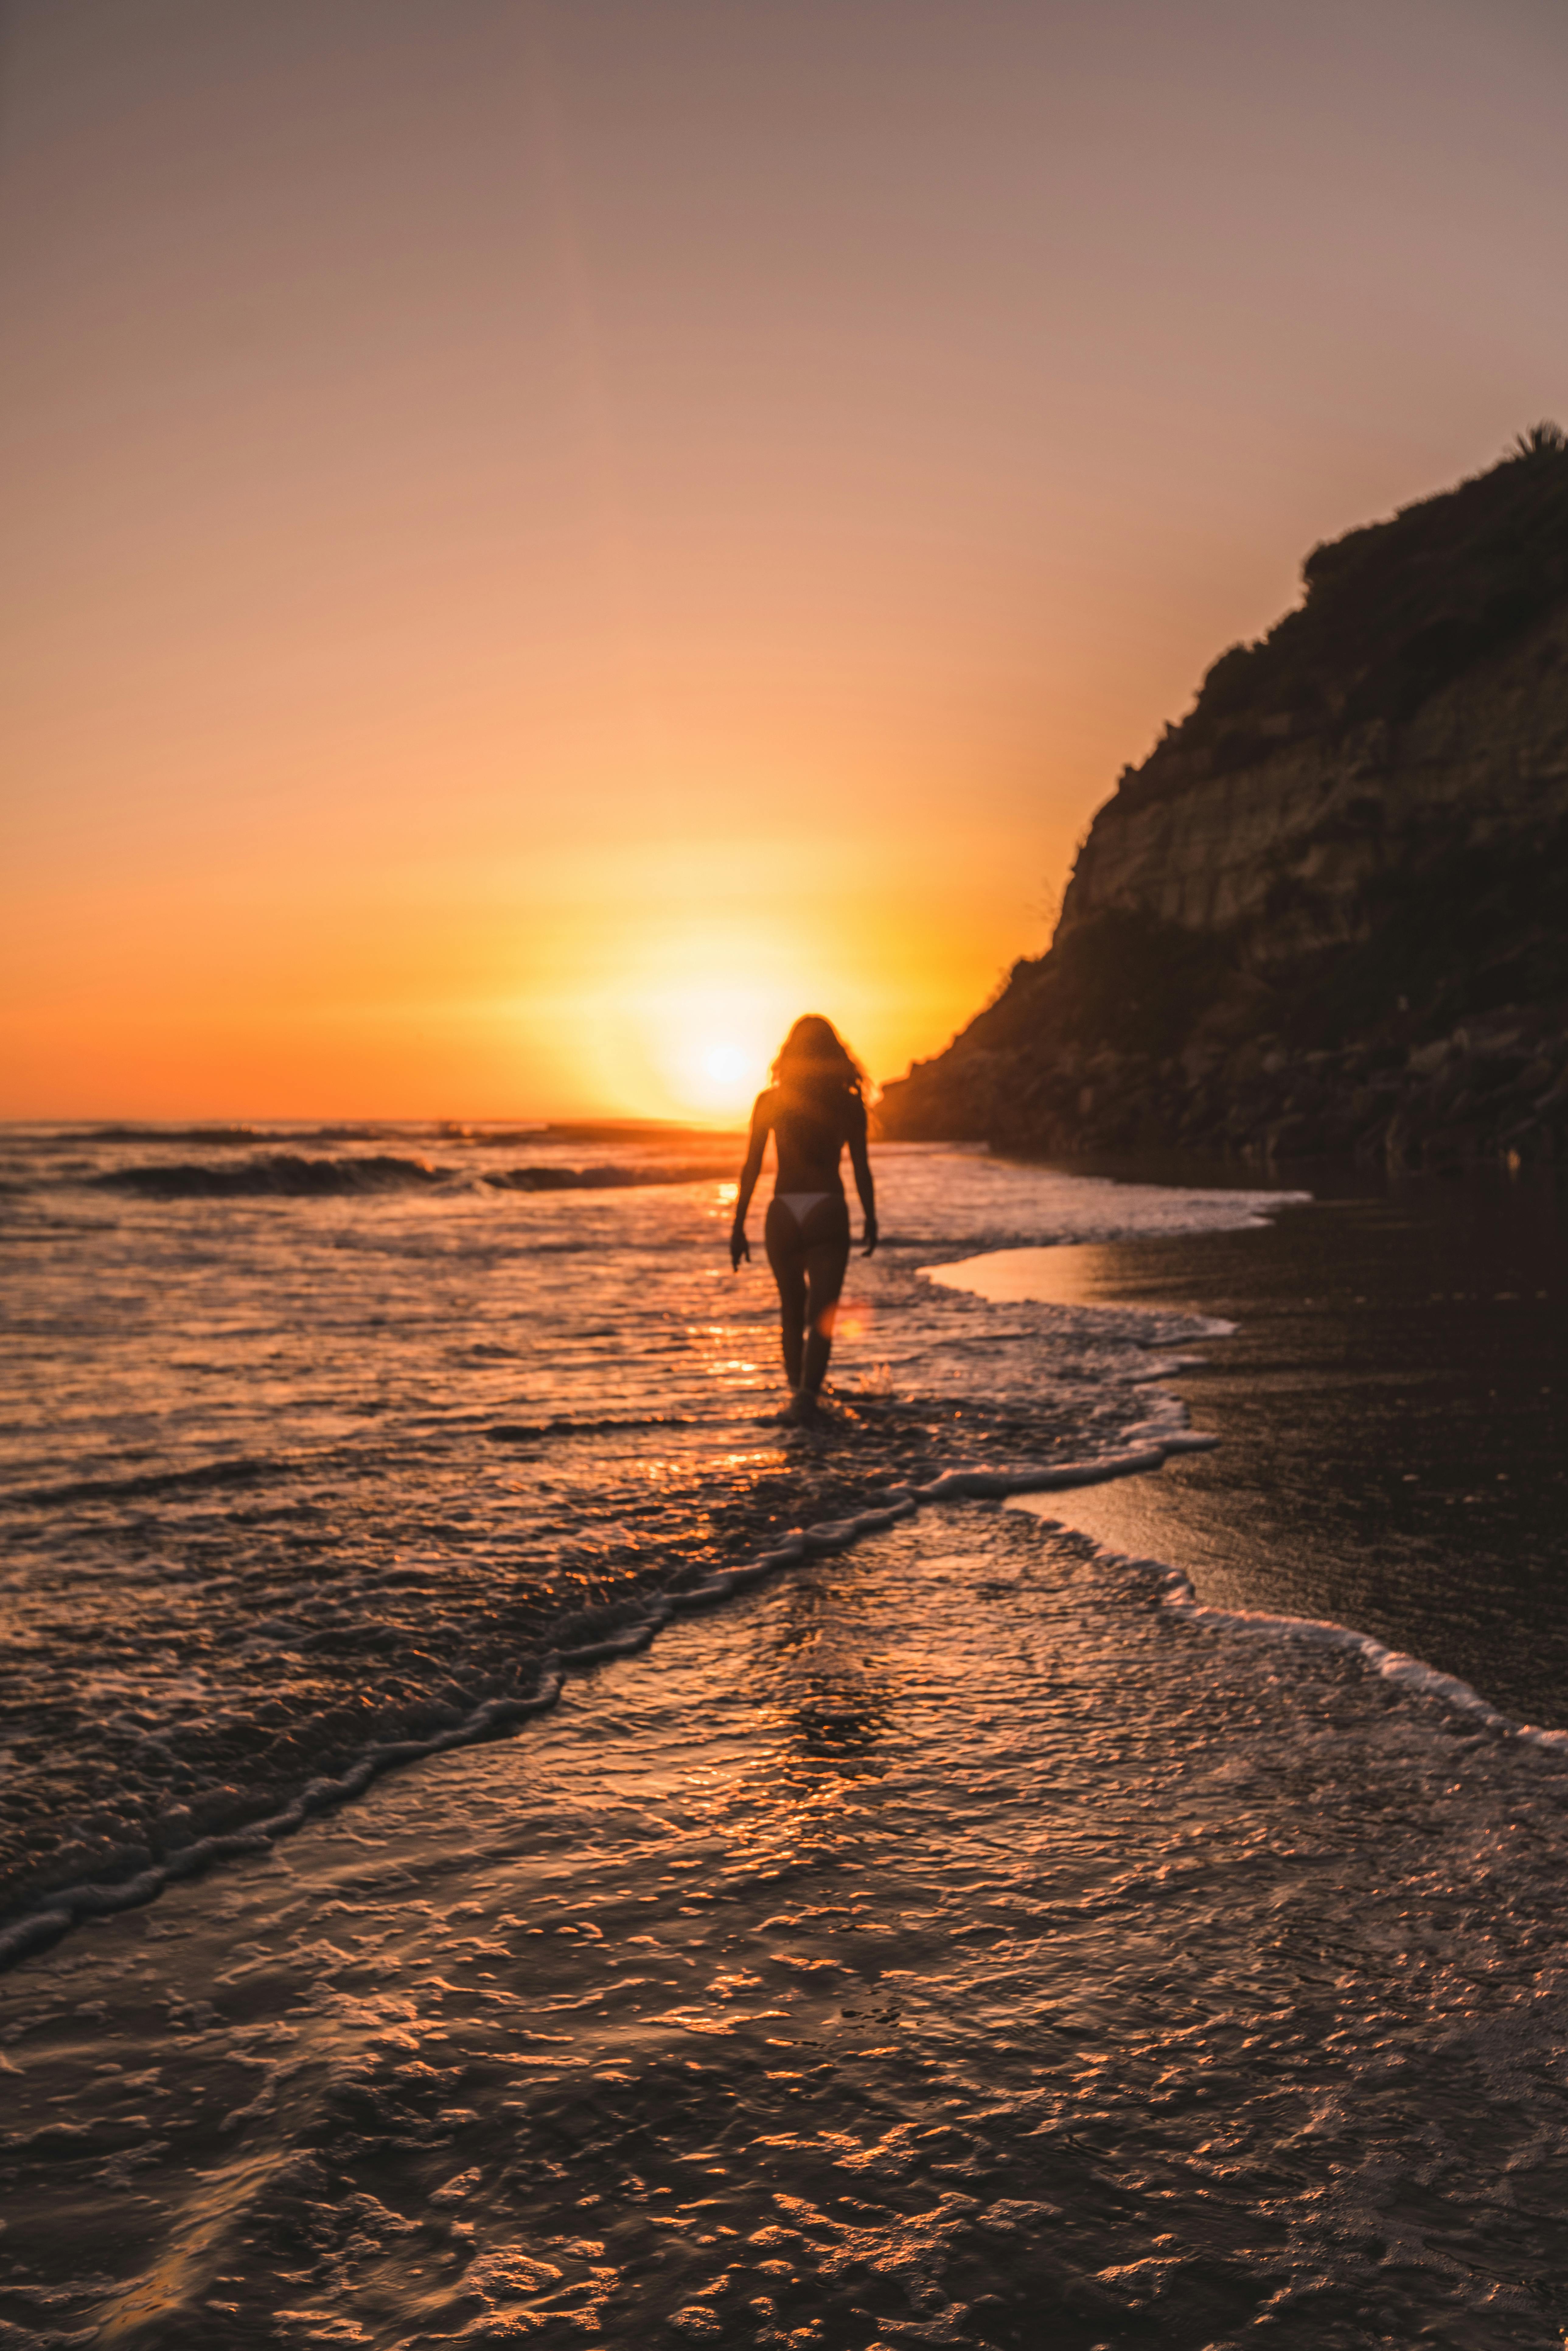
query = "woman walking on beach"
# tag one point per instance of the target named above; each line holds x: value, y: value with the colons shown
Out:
x: 813, y: 1108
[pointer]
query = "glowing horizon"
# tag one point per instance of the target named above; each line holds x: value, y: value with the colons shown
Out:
x: 543, y: 543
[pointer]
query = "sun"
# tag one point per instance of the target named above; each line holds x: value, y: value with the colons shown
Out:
x: 713, y: 1076
x: 687, y: 1051
x: 687, y: 1020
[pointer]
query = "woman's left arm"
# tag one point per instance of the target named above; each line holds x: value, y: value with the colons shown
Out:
x: 861, y: 1161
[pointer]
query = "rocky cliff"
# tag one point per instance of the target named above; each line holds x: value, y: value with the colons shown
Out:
x: 1329, y: 913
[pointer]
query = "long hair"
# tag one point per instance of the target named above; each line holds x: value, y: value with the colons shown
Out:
x: 816, y: 1066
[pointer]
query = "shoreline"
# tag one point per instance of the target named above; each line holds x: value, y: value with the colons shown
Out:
x: 1391, y: 1420
x: 1210, y: 1518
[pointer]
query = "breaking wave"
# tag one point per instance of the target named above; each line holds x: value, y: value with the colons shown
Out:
x: 268, y: 1173
x: 287, y: 1175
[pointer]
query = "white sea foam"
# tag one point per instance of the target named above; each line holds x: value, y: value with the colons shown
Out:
x: 1393, y: 1664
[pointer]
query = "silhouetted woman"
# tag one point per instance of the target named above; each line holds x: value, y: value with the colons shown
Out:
x: 814, y: 1106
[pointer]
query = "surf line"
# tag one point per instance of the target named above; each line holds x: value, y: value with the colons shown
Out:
x: 73, y: 1906
x: 1178, y: 1595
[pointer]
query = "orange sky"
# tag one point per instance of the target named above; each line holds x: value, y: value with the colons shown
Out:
x: 542, y: 540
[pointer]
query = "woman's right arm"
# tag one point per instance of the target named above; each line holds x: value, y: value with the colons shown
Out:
x: 761, y: 1123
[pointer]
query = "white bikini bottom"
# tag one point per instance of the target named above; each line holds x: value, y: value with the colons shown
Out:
x: 801, y: 1204
x: 801, y: 1223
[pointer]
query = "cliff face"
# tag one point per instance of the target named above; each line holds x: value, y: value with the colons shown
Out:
x: 1289, y: 854
x: 1329, y: 912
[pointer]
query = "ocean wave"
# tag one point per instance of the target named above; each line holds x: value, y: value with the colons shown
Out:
x: 289, y: 1175
x: 606, y: 1178
x: 518, y: 1432
x: 272, y: 1173
x: 246, y: 1471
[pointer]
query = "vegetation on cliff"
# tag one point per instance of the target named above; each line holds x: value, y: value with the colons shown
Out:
x: 1390, y: 613
x: 1329, y: 912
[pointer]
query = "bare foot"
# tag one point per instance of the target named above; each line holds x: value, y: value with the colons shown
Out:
x: 799, y: 1412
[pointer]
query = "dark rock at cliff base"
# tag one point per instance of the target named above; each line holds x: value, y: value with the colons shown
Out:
x: 1329, y: 914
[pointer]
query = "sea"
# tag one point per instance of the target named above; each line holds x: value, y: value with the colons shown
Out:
x: 504, y: 1841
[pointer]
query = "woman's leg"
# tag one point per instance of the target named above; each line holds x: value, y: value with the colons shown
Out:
x: 825, y: 1265
x: 786, y: 1257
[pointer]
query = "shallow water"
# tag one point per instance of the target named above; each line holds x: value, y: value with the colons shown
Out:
x: 299, y: 1476
x: 948, y: 1944
x: 960, y: 1937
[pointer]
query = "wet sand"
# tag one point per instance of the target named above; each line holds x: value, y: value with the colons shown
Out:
x: 1393, y: 1417
x: 947, y: 1943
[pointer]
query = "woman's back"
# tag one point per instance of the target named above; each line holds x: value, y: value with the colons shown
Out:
x: 809, y: 1132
